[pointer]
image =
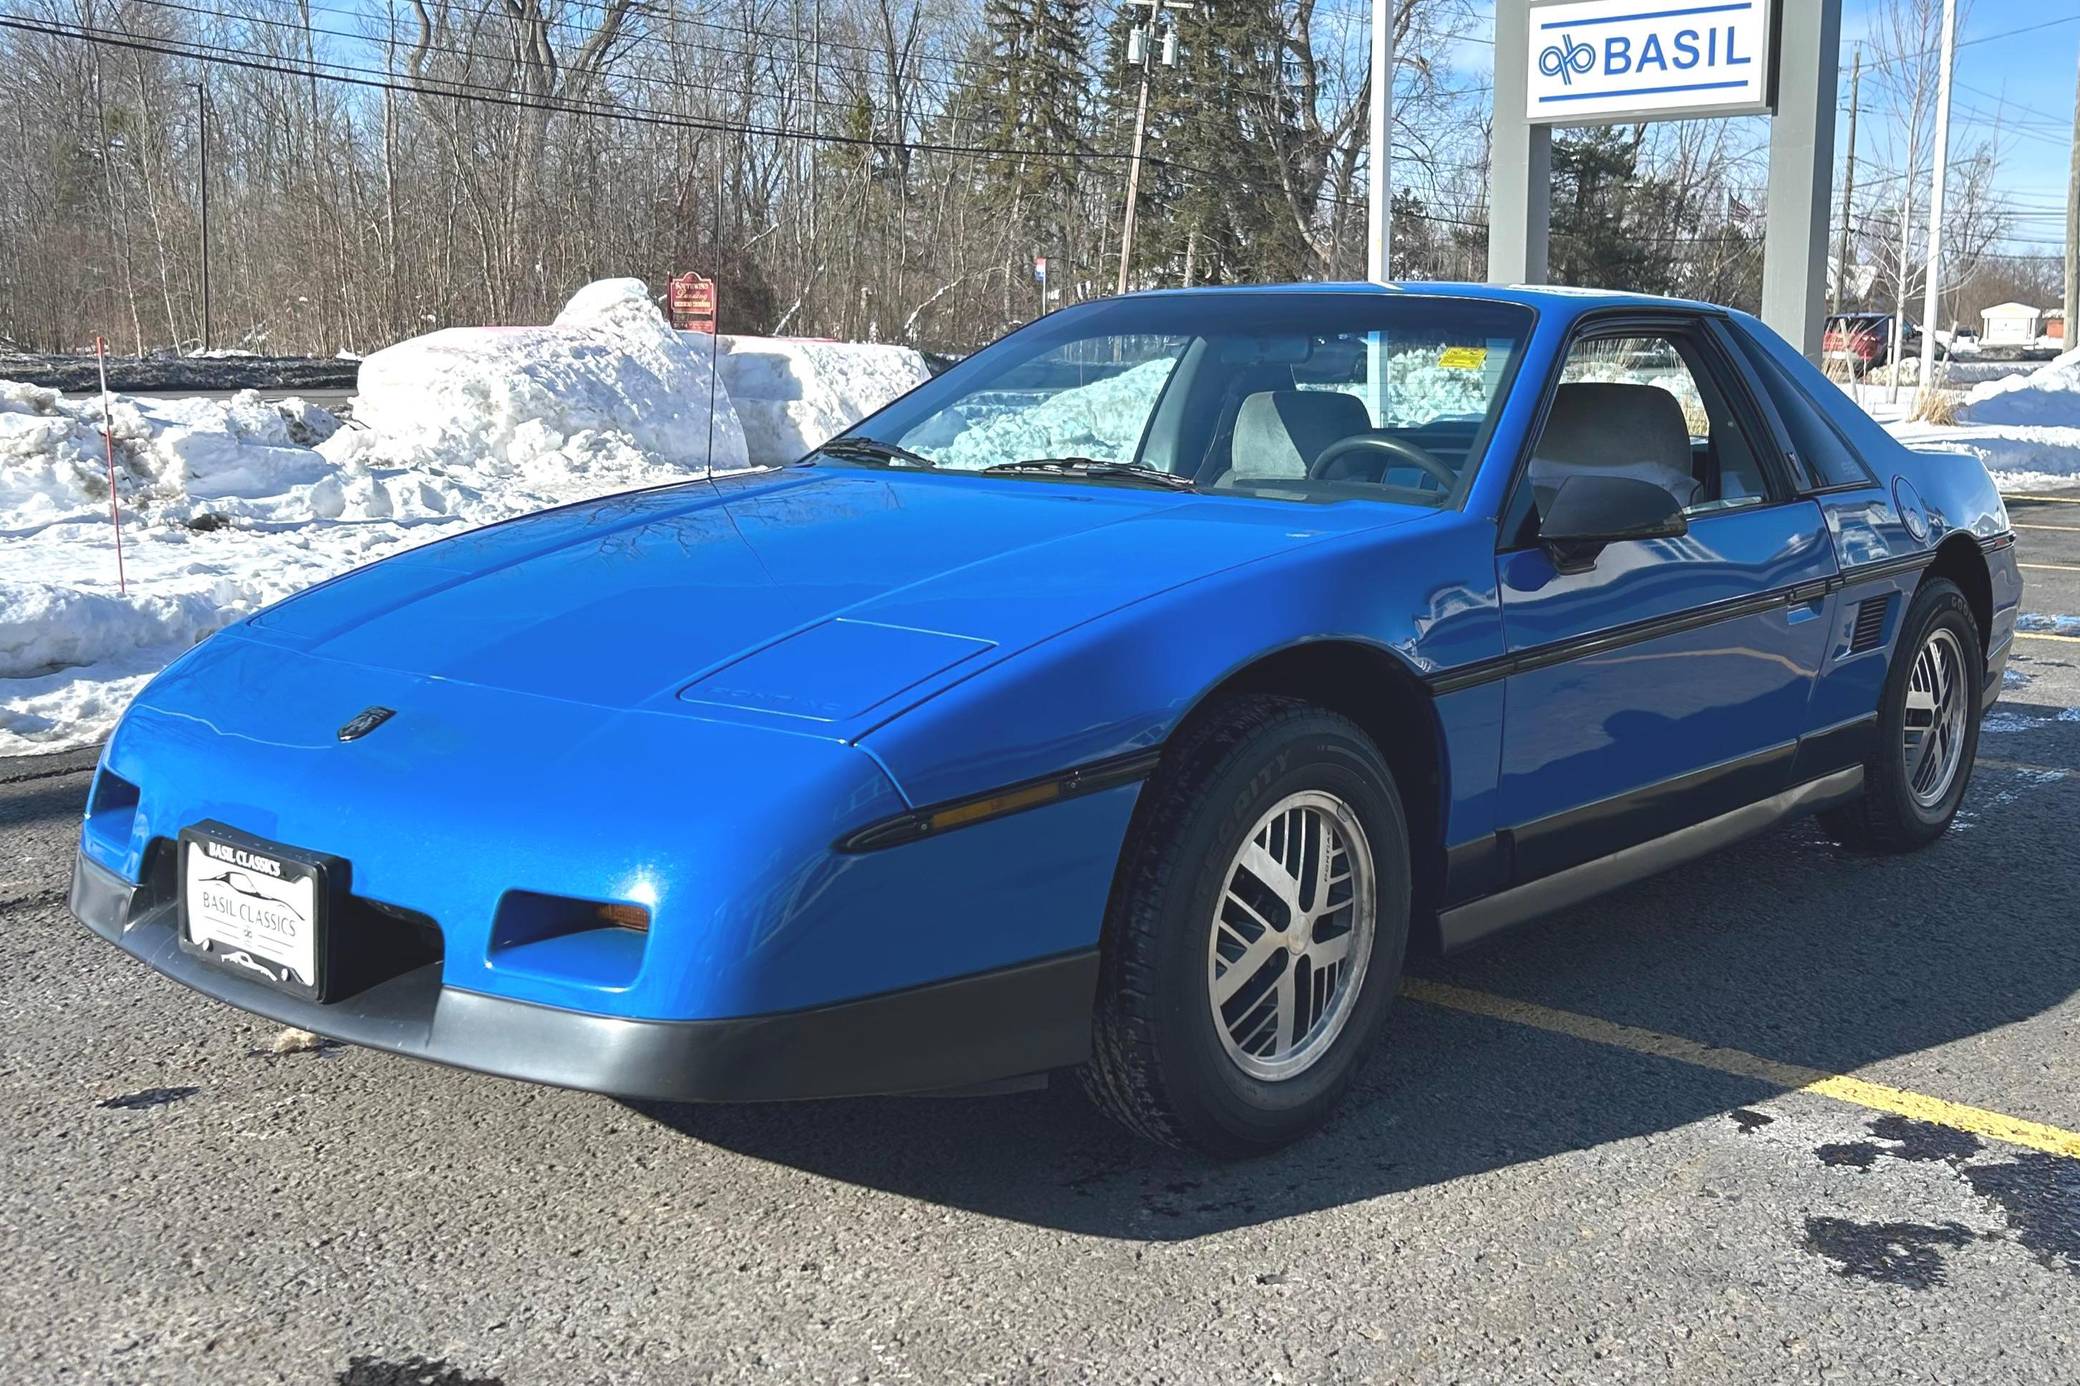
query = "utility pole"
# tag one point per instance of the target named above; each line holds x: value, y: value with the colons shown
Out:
x: 2073, y: 225
x: 1933, y: 304
x: 202, y: 153
x: 1379, y: 202
x: 1143, y: 40
x: 1906, y: 235
x: 1841, y: 269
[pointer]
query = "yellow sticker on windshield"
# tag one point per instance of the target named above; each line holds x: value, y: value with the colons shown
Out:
x: 1463, y: 358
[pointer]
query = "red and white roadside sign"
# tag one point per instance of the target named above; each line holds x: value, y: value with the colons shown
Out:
x: 692, y: 300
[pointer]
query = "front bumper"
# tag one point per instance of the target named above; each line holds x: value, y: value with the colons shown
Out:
x: 965, y: 1033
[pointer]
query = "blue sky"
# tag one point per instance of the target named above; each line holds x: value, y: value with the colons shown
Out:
x: 2013, y: 87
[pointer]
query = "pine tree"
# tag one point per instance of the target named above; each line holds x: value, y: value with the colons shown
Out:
x: 1032, y: 96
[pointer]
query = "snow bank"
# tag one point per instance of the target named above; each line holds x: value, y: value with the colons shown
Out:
x: 2019, y: 457
x: 2047, y: 395
x: 607, y: 397
x: 794, y: 396
x: 174, y: 459
x: 228, y: 506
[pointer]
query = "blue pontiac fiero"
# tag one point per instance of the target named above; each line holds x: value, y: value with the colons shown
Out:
x: 1129, y: 697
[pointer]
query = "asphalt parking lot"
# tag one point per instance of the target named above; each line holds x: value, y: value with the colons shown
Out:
x: 1784, y: 1115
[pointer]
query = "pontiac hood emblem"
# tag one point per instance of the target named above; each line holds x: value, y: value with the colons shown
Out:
x: 366, y: 721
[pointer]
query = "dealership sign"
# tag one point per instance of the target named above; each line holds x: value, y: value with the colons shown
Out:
x: 1596, y: 62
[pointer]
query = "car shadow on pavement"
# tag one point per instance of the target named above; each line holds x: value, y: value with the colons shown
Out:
x: 1782, y: 946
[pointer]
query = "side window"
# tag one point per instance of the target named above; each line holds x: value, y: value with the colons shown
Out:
x: 1821, y: 446
x: 1647, y: 406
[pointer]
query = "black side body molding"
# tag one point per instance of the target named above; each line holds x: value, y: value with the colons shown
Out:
x: 1654, y: 628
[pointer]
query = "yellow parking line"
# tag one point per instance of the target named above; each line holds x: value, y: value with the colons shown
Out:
x: 1877, y: 1097
x: 2046, y: 635
x: 2063, y: 529
x: 2051, y: 567
x: 2061, y: 500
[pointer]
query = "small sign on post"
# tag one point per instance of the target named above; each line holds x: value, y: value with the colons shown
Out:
x: 692, y: 301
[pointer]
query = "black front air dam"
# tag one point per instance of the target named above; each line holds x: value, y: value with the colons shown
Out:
x: 968, y: 1032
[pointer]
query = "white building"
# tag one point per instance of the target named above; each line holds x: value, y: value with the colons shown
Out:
x: 2010, y: 324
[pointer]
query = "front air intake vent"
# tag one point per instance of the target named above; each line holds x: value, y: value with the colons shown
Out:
x: 1871, y: 614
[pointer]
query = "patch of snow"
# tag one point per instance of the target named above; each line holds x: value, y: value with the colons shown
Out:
x: 794, y: 396
x: 2020, y: 458
x: 2023, y: 425
x: 607, y: 397
x: 2048, y: 395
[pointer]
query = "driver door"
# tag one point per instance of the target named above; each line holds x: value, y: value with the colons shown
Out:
x: 1666, y: 682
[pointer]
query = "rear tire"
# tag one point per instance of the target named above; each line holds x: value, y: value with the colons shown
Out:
x: 1233, y: 1006
x: 1928, y: 729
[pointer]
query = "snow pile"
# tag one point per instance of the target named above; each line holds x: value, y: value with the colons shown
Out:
x: 512, y: 418
x: 2023, y: 426
x: 794, y: 396
x: 44, y: 628
x: 230, y: 505
x: 1103, y: 419
x: 175, y: 458
x: 2049, y: 395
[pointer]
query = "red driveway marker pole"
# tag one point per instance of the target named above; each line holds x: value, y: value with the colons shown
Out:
x: 109, y: 445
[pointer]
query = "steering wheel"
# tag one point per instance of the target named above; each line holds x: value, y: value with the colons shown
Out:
x: 1396, y: 449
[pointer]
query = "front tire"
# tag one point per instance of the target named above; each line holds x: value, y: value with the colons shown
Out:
x: 1256, y: 932
x: 1928, y: 729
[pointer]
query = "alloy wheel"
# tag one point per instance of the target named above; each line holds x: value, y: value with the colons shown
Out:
x: 1292, y: 935
x: 1932, y: 734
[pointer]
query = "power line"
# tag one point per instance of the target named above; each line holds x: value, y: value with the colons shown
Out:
x: 474, y: 56
x: 471, y: 92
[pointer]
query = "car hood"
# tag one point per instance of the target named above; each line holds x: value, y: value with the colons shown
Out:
x: 809, y: 597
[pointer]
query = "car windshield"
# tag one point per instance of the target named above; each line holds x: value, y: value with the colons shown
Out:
x: 1302, y: 396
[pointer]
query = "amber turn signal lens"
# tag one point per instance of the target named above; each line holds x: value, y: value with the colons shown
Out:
x: 977, y: 809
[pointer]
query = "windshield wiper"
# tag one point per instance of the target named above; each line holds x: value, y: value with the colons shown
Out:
x: 1095, y: 467
x: 877, y: 452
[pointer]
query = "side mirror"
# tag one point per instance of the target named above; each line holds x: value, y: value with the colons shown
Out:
x: 1590, y: 510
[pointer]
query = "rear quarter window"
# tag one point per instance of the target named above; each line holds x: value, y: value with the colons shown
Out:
x: 1824, y: 445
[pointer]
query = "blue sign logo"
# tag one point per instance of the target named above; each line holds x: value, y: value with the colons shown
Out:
x: 1566, y: 58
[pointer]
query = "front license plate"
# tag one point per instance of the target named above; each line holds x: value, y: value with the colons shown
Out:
x: 255, y: 908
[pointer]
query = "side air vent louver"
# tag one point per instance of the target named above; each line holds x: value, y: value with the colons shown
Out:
x: 1870, y: 623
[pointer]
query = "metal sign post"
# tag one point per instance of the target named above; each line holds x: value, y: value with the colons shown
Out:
x: 1602, y: 62
x: 1379, y: 195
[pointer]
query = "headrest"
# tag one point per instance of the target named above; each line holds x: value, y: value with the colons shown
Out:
x: 1280, y: 433
x: 1620, y: 429
x: 1598, y: 424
